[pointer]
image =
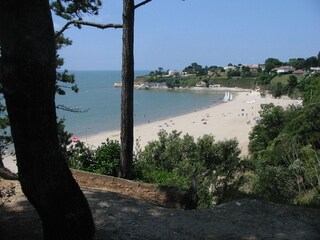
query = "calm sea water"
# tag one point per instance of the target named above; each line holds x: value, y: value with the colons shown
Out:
x: 102, y: 102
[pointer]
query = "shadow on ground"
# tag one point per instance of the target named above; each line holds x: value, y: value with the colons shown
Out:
x: 122, y: 217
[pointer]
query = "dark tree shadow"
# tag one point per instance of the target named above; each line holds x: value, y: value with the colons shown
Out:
x: 122, y: 217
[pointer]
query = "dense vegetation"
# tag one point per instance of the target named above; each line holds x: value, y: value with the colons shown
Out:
x: 283, y: 166
x: 210, y: 171
x: 285, y: 149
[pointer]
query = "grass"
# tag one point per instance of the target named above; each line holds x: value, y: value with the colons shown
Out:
x: 235, y: 82
x: 283, y: 78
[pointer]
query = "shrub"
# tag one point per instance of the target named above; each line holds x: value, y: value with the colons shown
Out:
x: 225, y: 167
x: 273, y: 183
x: 159, y: 161
x: 81, y: 157
x: 104, y: 160
x: 205, y: 168
x: 107, y: 158
x: 289, y: 172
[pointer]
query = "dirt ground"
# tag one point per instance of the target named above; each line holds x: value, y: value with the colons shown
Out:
x: 120, y: 213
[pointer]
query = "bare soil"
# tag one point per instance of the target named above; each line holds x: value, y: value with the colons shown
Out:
x: 128, y: 210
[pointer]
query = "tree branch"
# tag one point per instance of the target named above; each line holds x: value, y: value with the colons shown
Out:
x: 142, y: 3
x: 92, y: 24
x: 97, y: 25
x: 71, y: 109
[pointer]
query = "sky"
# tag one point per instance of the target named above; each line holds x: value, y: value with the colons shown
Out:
x: 172, y: 34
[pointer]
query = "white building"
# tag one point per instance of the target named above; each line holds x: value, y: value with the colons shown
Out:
x: 285, y: 69
x: 229, y: 68
x: 201, y: 84
x: 315, y: 69
x: 253, y: 67
x: 214, y: 86
x: 173, y: 73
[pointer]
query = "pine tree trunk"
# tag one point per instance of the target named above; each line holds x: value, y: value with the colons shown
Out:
x: 28, y: 76
x: 1, y: 162
x: 127, y: 89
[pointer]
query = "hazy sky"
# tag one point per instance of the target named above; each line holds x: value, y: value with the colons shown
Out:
x: 172, y: 34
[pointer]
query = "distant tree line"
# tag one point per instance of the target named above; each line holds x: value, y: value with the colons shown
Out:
x: 268, y: 65
x: 261, y: 75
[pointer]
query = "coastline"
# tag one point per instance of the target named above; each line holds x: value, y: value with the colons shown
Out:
x: 234, y: 90
x: 233, y: 119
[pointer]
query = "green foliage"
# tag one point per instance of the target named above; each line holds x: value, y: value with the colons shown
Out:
x: 285, y: 154
x: 278, y: 90
x: 222, y: 167
x: 245, y: 82
x: 81, y: 157
x: 71, y: 10
x: 273, y: 183
x: 267, y: 129
x: 310, y: 89
x: 312, y: 62
x: 107, y: 158
x: 234, y: 73
x: 64, y: 138
x: 164, y: 155
x: 297, y: 63
x: 104, y: 160
x: 196, y: 69
x: 311, y: 166
x: 159, y: 72
x: 289, y: 172
x: 280, y: 78
x: 265, y: 78
x: 64, y: 79
x: 271, y: 63
x: 207, y: 169
x: 306, y: 124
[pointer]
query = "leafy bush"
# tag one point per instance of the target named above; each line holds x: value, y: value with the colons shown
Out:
x: 225, y: 168
x: 267, y: 129
x: 104, y: 160
x: 162, y: 157
x: 289, y: 172
x: 107, y: 158
x: 207, y: 169
x: 285, y: 155
x: 273, y: 183
x: 81, y: 157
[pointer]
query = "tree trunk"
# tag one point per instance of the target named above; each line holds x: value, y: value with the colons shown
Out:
x: 127, y: 89
x: 1, y: 162
x: 28, y: 76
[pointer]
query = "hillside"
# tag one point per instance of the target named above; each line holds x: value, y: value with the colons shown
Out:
x: 120, y: 216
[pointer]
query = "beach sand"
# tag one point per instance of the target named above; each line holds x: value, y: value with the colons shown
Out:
x: 228, y: 120
x: 233, y: 119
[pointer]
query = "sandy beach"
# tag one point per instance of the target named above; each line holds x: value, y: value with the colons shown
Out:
x: 233, y: 119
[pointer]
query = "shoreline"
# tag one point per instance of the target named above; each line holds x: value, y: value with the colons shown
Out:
x: 234, y: 90
x: 215, y: 103
x: 233, y: 119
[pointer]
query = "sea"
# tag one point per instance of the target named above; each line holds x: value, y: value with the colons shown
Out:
x: 98, y: 103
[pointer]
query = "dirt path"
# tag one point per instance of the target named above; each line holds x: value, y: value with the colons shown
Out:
x: 122, y: 217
